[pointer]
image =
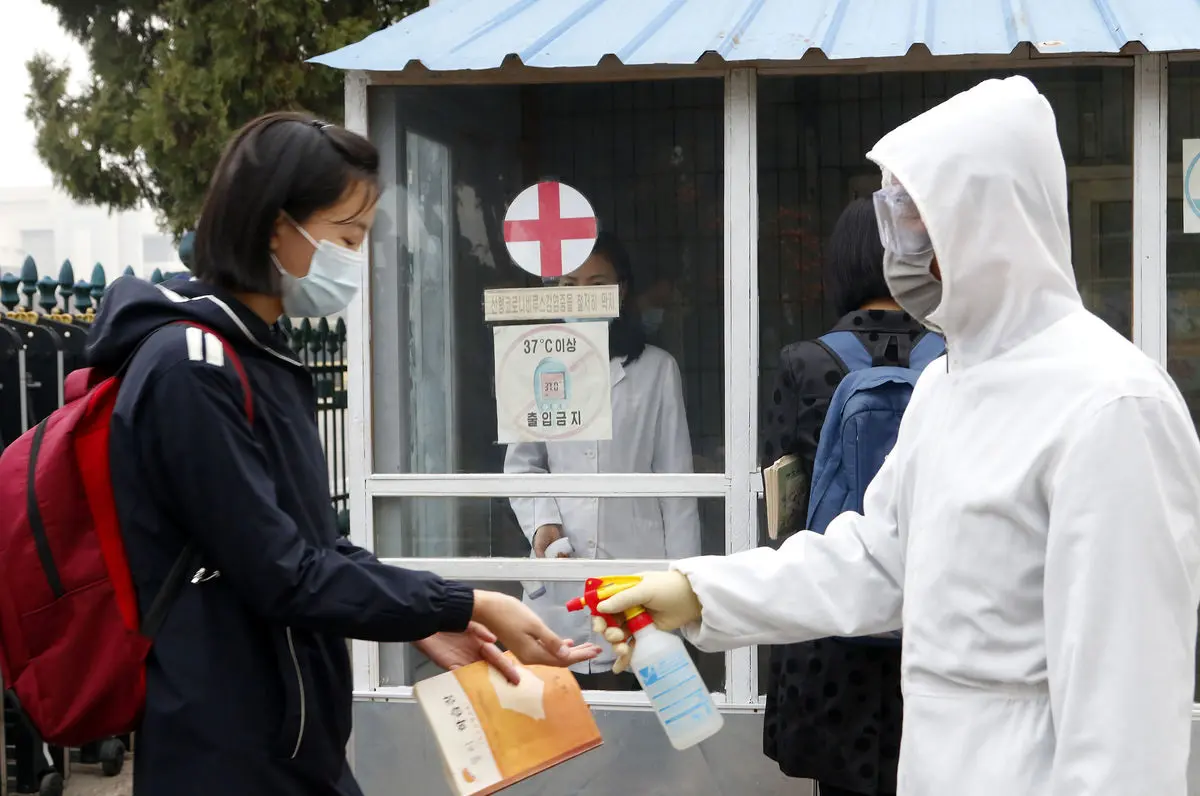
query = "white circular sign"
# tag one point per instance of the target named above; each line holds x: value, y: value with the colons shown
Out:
x: 553, y: 382
x: 550, y: 229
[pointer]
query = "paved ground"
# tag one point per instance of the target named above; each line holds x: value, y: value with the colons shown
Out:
x: 88, y: 781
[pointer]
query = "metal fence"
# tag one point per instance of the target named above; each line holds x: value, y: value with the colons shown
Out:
x: 44, y: 326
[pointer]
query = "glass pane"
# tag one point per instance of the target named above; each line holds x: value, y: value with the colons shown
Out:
x: 598, y: 528
x: 813, y: 136
x: 1183, y: 248
x: 402, y: 664
x: 648, y: 158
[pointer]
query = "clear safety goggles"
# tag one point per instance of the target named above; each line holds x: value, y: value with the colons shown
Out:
x: 900, y: 226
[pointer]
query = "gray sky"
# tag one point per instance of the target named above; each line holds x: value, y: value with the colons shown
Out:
x: 28, y: 27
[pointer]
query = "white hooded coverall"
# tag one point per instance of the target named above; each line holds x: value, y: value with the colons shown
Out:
x: 1034, y: 530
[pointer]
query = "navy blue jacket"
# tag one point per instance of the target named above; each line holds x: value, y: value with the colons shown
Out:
x: 249, y: 680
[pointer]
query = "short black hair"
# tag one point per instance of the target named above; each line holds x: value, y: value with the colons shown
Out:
x: 626, y: 338
x: 285, y: 161
x: 854, y: 260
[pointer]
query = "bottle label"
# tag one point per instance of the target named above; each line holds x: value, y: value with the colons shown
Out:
x: 676, y: 691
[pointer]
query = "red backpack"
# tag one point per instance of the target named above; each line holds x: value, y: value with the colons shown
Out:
x: 72, y: 646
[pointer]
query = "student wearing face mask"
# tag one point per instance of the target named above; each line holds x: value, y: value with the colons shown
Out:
x: 1036, y: 528
x: 248, y: 682
x: 650, y: 435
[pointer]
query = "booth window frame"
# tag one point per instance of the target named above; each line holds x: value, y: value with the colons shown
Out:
x: 740, y: 485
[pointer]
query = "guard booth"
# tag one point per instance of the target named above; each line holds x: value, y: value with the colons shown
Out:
x: 718, y: 140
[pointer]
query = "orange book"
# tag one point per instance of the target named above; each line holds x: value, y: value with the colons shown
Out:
x: 493, y: 734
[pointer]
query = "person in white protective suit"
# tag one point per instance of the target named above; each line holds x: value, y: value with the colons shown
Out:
x: 1036, y: 529
x: 650, y: 435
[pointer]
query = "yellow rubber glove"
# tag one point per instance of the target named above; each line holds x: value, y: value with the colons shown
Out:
x: 667, y: 596
x: 618, y: 638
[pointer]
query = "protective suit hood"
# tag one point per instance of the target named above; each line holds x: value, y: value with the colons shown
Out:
x: 986, y: 172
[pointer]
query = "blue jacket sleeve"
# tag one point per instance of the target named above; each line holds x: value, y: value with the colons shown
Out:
x: 218, y: 478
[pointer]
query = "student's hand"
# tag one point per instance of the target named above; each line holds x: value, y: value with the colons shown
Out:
x: 667, y: 596
x: 545, y: 536
x: 477, y: 643
x: 524, y: 634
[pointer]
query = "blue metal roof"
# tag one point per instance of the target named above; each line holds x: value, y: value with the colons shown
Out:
x: 480, y: 34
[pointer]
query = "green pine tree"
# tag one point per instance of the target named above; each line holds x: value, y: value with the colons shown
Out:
x: 172, y: 79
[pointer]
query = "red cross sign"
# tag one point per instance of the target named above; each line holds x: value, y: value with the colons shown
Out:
x: 550, y: 229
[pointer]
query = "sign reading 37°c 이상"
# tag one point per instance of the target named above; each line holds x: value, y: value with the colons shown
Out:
x: 553, y: 382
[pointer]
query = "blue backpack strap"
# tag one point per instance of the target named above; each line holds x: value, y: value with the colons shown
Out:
x: 847, y: 349
x: 928, y: 348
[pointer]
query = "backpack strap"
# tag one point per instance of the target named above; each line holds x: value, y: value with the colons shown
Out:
x: 188, y: 561
x: 928, y: 348
x: 851, y: 353
x: 847, y: 351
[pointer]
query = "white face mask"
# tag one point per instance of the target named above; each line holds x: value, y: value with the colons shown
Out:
x: 334, y: 278
x: 652, y: 319
x: 915, y: 289
x: 907, y: 251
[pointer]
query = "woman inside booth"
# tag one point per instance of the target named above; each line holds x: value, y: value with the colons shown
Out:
x: 833, y: 706
x: 649, y: 435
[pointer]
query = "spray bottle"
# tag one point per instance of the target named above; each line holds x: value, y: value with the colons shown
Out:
x: 662, y: 666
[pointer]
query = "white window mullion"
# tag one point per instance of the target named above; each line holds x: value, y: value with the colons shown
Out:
x: 581, y: 485
x: 509, y: 569
x: 364, y: 654
x: 741, y: 342
x: 1150, y: 205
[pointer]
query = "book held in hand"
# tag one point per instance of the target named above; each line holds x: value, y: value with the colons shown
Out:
x: 493, y: 734
x: 785, y: 489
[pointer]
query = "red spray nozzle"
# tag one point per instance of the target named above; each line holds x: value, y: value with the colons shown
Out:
x: 597, y: 590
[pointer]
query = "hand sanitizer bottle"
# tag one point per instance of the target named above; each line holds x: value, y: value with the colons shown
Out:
x: 670, y: 679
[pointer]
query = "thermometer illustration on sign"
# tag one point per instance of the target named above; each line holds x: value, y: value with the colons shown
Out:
x: 551, y: 385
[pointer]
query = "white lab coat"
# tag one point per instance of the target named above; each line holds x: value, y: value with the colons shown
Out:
x: 1035, y: 530
x: 650, y: 435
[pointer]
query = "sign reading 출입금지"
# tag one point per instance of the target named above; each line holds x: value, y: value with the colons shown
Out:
x: 590, y: 302
x: 553, y: 382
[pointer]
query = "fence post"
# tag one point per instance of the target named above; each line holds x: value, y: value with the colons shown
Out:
x: 66, y: 283
x: 305, y: 344
x: 47, y: 286
x: 338, y: 406
x: 29, y: 278
x: 99, y: 285
x: 10, y: 291
x: 83, y: 298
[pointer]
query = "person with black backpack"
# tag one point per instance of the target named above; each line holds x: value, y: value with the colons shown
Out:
x: 834, y: 706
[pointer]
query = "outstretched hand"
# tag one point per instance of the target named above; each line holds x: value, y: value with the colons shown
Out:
x: 524, y: 634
